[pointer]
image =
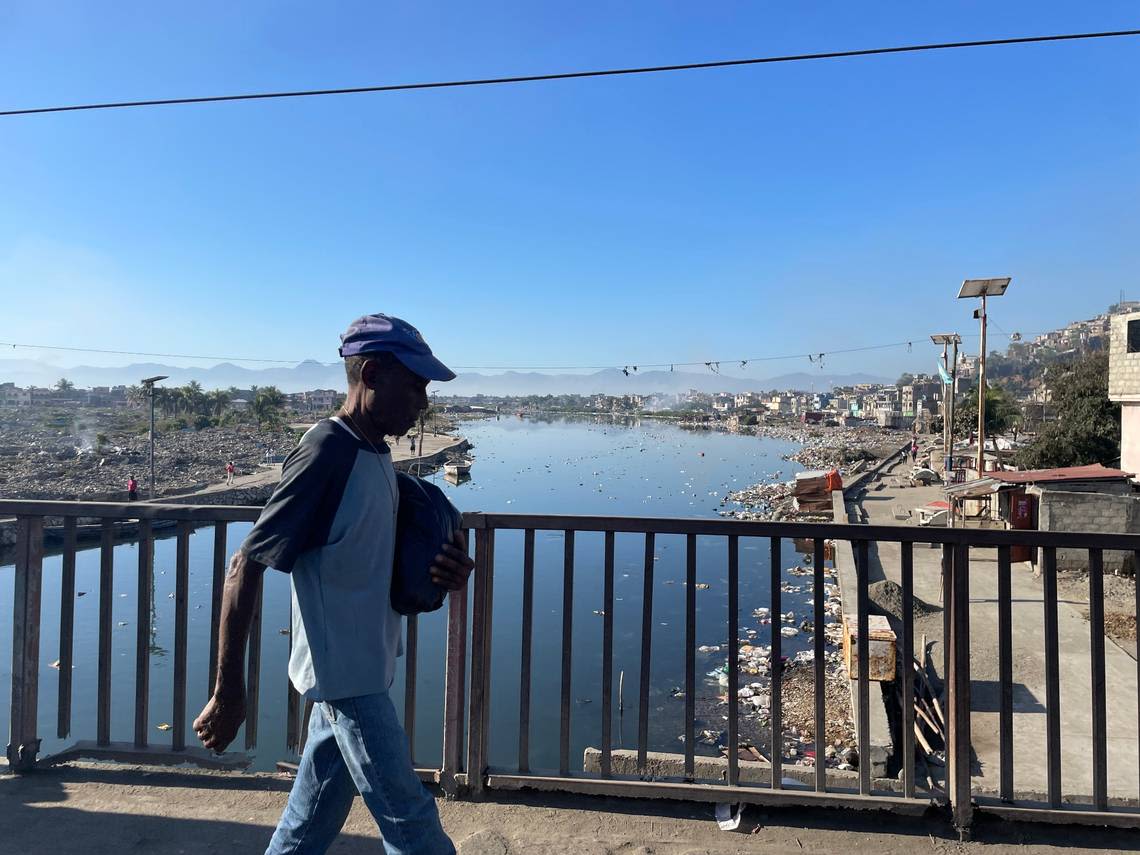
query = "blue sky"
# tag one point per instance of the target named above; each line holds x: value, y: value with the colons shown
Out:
x: 665, y: 218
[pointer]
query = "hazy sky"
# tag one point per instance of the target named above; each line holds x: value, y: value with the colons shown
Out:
x: 666, y: 218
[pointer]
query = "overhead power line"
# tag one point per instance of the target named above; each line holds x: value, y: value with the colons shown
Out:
x: 575, y: 75
x: 816, y: 357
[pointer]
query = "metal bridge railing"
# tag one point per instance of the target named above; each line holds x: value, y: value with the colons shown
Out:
x: 465, y: 770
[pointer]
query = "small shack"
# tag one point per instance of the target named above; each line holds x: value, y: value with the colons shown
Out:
x: 1074, y: 498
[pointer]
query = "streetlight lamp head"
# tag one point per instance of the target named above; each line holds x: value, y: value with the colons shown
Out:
x: 984, y: 287
x: 152, y: 380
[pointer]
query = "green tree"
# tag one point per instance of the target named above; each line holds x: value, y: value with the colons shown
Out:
x: 64, y: 385
x: 194, y: 398
x: 217, y: 401
x: 1002, y: 413
x: 268, y: 405
x: 1087, y: 428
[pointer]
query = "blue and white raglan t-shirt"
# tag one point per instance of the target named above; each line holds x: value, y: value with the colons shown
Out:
x: 331, y: 525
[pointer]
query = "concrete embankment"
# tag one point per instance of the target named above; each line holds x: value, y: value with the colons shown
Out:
x: 882, y: 743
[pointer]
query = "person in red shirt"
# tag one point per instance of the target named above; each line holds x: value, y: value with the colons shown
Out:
x: 230, y: 472
x: 132, y: 489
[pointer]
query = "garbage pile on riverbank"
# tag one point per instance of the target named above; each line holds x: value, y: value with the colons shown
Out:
x: 798, y: 681
x: 847, y: 450
x: 39, y: 461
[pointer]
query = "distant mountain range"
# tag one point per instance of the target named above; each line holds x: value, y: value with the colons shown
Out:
x: 315, y: 375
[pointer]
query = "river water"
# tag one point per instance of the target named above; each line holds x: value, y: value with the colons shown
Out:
x: 522, y: 465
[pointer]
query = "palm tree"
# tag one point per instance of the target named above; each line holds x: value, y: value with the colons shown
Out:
x: 218, y: 400
x: 267, y: 404
x: 64, y: 385
x: 194, y: 398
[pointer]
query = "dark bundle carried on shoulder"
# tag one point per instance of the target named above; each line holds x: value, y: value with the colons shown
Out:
x: 425, y: 521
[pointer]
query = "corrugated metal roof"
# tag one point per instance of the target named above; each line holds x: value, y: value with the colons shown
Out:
x: 1094, y: 472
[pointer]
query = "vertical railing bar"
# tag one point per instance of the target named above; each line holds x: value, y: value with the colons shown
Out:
x: 66, y: 629
x: 567, y: 638
x: 527, y: 645
x: 947, y: 565
x: 607, y: 655
x: 776, y: 702
x: 412, y: 631
x: 1005, y: 673
x: 733, y: 660
x: 454, y: 688
x: 1136, y: 612
x: 646, y: 653
x: 1052, y: 678
x: 819, y: 664
x: 145, y: 595
x: 1099, y: 711
x: 253, y: 669
x: 292, y: 700
x: 181, y: 618
x: 106, y: 584
x: 488, y: 638
x: 862, y: 570
x: 690, y: 653
x: 959, y: 723
x: 475, y: 707
x: 305, y: 718
x: 907, y: 551
x: 24, y: 744
x: 217, y: 581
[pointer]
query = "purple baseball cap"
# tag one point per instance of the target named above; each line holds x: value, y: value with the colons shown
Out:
x: 374, y: 333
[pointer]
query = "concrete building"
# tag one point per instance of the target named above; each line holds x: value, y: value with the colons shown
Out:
x: 1124, y: 385
x: 920, y: 395
x: 12, y: 395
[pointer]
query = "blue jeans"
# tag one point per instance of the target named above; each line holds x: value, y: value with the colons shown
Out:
x: 357, y: 745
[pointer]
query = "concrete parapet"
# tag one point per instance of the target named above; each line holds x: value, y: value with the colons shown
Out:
x: 882, y: 746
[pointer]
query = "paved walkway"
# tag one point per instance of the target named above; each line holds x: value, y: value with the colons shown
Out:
x: 91, y: 809
x: 1028, y: 665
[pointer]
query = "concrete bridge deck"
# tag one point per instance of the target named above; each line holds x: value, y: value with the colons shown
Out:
x: 103, y: 809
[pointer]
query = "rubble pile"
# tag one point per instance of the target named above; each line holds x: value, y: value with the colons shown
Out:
x: 91, y: 457
x: 844, y: 450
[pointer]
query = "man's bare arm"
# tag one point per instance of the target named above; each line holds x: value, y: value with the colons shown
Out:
x: 224, y: 713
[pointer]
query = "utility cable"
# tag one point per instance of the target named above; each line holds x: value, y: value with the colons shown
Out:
x: 575, y: 75
x: 813, y: 356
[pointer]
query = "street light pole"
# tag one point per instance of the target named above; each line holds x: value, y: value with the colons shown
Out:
x: 948, y: 390
x: 149, y: 384
x: 982, y: 394
x: 982, y: 288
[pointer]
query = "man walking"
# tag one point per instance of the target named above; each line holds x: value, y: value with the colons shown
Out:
x: 132, y: 489
x: 229, y: 473
x: 331, y: 524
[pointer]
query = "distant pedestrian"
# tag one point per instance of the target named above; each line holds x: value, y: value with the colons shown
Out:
x: 132, y: 489
x: 230, y: 472
x: 913, y: 450
x: 412, y: 440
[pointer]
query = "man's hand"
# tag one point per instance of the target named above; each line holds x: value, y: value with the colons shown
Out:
x: 452, y: 566
x: 218, y: 723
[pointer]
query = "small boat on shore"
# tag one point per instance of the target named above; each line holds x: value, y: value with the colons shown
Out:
x: 457, y: 466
